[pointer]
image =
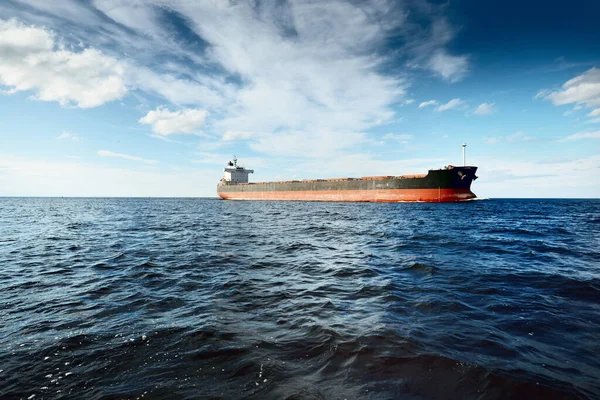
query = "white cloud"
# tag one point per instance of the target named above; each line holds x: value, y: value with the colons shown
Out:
x: 517, y: 137
x: 307, y: 74
x: 32, y: 59
x: 205, y: 91
x: 297, y: 67
x: 325, y: 77
x: 428, y: 103
x: 35, y: 59
x: 397, y: 136
x: 581, y: 135
x: 452, y: 104
x: 30, y: 177
x: 106, y: 153
x: 594, y: 113
x: 428, y: 47
x: 583, y: 89
x: 537, y: 178
x: 221, y: 159
x: 165, y: 122
x: 492, y: 140
x: 238, y: 135
x: 67, y: 135
x: 485, y: 109
x: 315, y: 144
x: 449, y: 67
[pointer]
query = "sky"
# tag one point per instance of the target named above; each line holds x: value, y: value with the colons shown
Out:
x: 154, y: 97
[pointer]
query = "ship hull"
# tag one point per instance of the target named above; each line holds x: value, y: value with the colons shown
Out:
x: 392, y: 195
x: 445, y: 185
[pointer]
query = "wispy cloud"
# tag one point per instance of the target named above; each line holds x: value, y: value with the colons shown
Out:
x: 506, y: 174
x: 492, y: 140
x: 594, y: 113
x: 429, y: 50
x: 237, y: 135
x: 580, y: 136
x: 485, y: 109
x: 66, y: 135
x: 428, y: 103
x: 451, y: 105
x: 517, y: 137
x: 165, y: 122
x: 451, y: 68
x: 397, y: 136
x: 106, y: 153
x: 292, y: 70
x: 73, y: 177
x: 583, y: 89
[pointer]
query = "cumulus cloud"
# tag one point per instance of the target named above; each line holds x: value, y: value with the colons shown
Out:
x: 67, y: 135
x: 32, y: 59
x: 35, y: 59
x: 106, y: 153
x: 452, y: 104
x: 428, y: 103
x: 580, y: 136
x: 484, y: 109
x: 583, y: 89
x: 165, y: 122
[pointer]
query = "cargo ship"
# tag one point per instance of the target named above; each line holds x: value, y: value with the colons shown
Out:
x: 446, y: 184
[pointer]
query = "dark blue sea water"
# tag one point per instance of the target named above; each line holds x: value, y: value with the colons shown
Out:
x: 202, y: 298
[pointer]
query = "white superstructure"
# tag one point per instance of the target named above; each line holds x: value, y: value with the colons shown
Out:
x: 233, y: 173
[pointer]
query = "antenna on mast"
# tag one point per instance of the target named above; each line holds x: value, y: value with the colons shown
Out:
x: 464, y: 146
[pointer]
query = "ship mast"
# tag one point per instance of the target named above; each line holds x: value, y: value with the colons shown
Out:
x: 464, y: 146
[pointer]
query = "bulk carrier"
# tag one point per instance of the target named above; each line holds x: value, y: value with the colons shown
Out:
x: 446, y: 184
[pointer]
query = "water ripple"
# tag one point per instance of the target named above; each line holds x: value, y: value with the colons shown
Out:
x: 199, y: 298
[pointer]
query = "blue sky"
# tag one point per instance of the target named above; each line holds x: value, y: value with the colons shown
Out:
x: 152, y: 98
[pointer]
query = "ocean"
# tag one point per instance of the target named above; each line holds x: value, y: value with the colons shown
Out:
x: 203, y: 298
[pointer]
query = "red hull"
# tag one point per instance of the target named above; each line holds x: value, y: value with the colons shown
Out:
x: 383, y: 195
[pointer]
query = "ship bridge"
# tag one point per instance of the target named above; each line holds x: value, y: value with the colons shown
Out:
x: 234, y: 174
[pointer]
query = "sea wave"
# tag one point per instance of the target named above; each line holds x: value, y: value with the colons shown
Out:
x: 200, y: 298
